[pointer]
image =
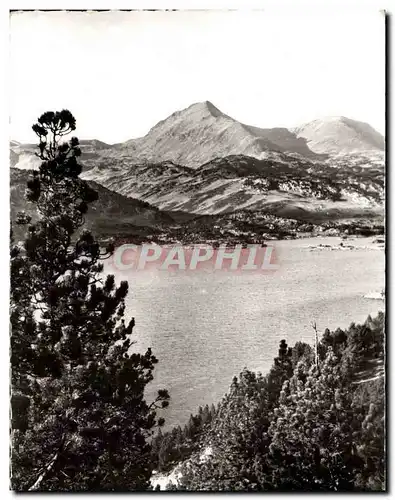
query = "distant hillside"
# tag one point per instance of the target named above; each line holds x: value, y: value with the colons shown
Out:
x: 112, y: 215
x: 340, y: 135
x: 283, y: 184
x: 259, y: 226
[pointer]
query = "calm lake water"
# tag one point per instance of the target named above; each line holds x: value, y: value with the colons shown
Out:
x: 206, y: 327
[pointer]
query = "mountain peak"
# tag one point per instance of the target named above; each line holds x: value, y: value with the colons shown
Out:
x: 339, y: 134
x: 205, y: 107
x: 201, y: 132
x: 193, y: 113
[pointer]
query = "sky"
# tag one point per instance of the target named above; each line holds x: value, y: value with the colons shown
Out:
x: 120, y: 73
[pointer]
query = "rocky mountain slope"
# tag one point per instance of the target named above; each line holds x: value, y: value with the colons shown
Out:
x: 245, y: 199
x: 202, y: 132
x: 340, y: 135
x: 286, y: 186
x: 191, y: 137
x: 113, y: 215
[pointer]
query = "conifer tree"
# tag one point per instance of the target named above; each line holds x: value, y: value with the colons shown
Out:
x: 232, y: 438
x: 313, y: 432
x: 369, y: 404
x: 282, y: 370
x: 238, y: 434
x: 79, y: 417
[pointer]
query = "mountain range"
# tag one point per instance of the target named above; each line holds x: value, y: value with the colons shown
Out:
x: 201, y: 133
x: 200, y: 161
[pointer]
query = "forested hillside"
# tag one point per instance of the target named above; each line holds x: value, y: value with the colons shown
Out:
x: 310, y: 424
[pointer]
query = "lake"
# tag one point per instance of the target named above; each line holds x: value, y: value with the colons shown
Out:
x: 206, y: 327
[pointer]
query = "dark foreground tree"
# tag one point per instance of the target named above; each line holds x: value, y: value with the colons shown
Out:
x: 79, y: 418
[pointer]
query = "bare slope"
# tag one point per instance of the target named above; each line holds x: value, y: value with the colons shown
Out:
x: 282, y: 184
x: 202, y: 132
x: 340, y: 135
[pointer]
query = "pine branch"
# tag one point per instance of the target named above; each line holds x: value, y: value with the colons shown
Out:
x: 48, y: 468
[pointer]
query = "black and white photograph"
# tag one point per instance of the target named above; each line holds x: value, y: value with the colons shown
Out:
x: 197, y: 250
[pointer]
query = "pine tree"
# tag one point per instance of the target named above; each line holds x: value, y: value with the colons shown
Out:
x: 369, y: 404
x: 282, y: 370
x: 300, y: 351
x: 238, y: 434
x: 80, y: 420
x: 232, y: 438
x: 206, y: 416
x: 313, y: 432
